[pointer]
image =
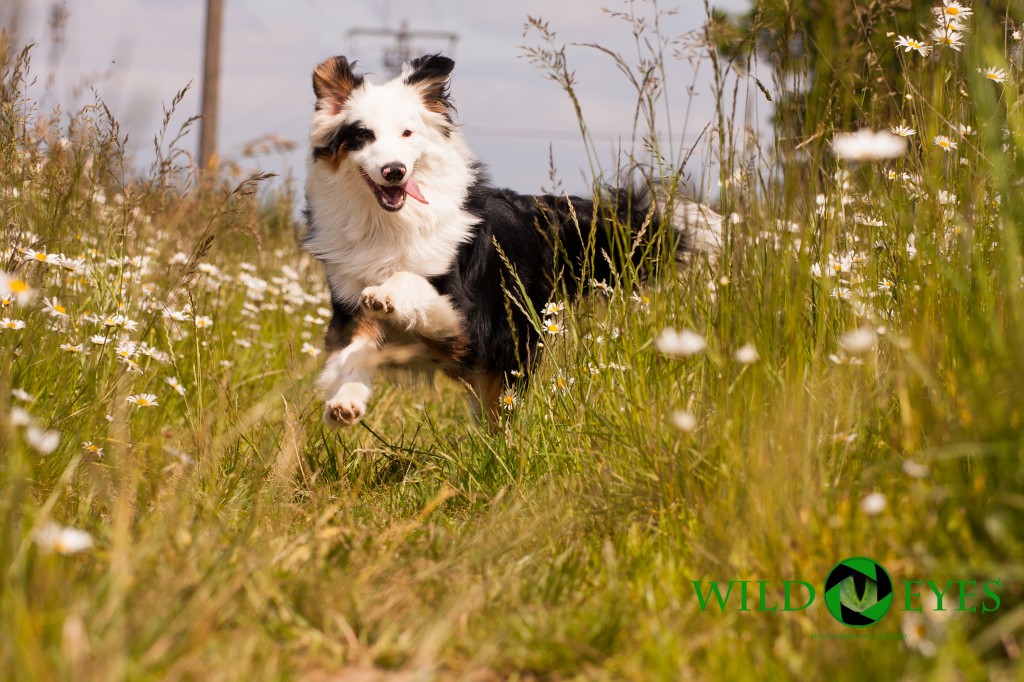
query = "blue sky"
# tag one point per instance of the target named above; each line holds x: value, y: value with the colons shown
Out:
x: 139, y: 53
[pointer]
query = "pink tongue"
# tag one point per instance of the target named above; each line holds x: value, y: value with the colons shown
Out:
x: 413, y: 190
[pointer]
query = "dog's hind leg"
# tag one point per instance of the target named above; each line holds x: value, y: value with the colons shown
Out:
x: 485, y: 396
x: 347, y: 379
x: 411, y: 302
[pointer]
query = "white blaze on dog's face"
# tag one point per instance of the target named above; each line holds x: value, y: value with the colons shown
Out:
x: 381, y: 132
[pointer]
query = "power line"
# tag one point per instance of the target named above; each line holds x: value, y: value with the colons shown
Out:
x: 539, y: 134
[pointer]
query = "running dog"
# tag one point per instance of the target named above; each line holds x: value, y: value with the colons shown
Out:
x: 430, y: 267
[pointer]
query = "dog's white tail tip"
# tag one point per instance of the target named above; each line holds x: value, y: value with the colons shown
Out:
x: 700, y: 226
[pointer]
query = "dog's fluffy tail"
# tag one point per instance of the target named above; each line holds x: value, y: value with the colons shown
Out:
x: 699, y: 227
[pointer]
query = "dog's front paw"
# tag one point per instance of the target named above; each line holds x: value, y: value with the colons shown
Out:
x: 347, y: 407
x: 376, y: 302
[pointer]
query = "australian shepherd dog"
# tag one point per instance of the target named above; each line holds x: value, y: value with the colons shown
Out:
x: 431, y: 267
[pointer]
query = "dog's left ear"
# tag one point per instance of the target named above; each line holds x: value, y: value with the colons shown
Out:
x: 430, y: 73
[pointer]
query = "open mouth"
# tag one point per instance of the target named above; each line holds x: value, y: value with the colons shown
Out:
x: 392, y: 197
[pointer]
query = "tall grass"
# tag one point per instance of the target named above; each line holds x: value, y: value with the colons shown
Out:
x: 229, y: 536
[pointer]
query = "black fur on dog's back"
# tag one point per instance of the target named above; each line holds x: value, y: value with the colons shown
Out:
x: 540, y: 246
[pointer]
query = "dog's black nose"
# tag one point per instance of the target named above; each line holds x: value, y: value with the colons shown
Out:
x: 393, y: 172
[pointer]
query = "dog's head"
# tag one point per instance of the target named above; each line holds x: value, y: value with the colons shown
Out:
x: 382, y: 132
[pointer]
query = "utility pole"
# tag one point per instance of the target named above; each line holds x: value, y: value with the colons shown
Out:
x: 211, y: 86
x: 402, y: 50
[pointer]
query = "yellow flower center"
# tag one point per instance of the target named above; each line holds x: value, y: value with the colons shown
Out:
x: 61, y: 309
x: 17, y: 286
x: 953, y: 11
x: 41, y: 256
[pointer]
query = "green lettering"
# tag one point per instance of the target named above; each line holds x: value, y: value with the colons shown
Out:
x: 787, y: 585
x: 763, y: 590
x: 991, y: 593
x: 703, y: 599
x: 908, y: 586
x: 938, y: 595
x: 964, y: 595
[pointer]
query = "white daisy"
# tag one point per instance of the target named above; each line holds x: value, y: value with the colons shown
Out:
x: 175, y: 384
x: 858, y: 341
x: 15, y: 290
x: 143, y: 400
x: 952, y: 11
x: 867, y: 145
x: 944, y: 142
x: 948, y: 36
x: 552, y: 308
x: 42, y: 257
x: 873, y: 504
x: 908, y: 44
x: 747, y: 354
x: 994, y: 74
x: 43, y: 441
x: 684, y: 420
x: 62, y: 540
x: 552, y: 327
x: 680, y: 344
x: 508, y: 399
x: 55, y: 309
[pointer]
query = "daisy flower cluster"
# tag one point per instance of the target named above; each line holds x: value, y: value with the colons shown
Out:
x: 923, y: 147
x: 106, y: 312
x: 947, y: 32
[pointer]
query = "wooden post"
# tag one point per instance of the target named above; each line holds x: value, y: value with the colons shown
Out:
x: 211, y: 86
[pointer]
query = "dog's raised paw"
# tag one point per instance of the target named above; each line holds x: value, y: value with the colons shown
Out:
x: 376, y: 302
x: 347, y: 406
x: 339, y: 413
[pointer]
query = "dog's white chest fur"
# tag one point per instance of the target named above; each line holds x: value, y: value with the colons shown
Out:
x: 360, y: 245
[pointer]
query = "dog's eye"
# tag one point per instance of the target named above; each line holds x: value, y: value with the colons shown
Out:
x: 407, y: 133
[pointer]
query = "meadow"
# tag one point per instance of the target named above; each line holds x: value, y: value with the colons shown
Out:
x: 845, y: 379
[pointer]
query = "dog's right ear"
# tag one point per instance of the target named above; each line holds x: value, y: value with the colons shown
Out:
x: 333, y: 82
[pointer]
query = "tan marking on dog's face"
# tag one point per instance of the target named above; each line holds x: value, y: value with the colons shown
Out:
x: 334, y: 162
